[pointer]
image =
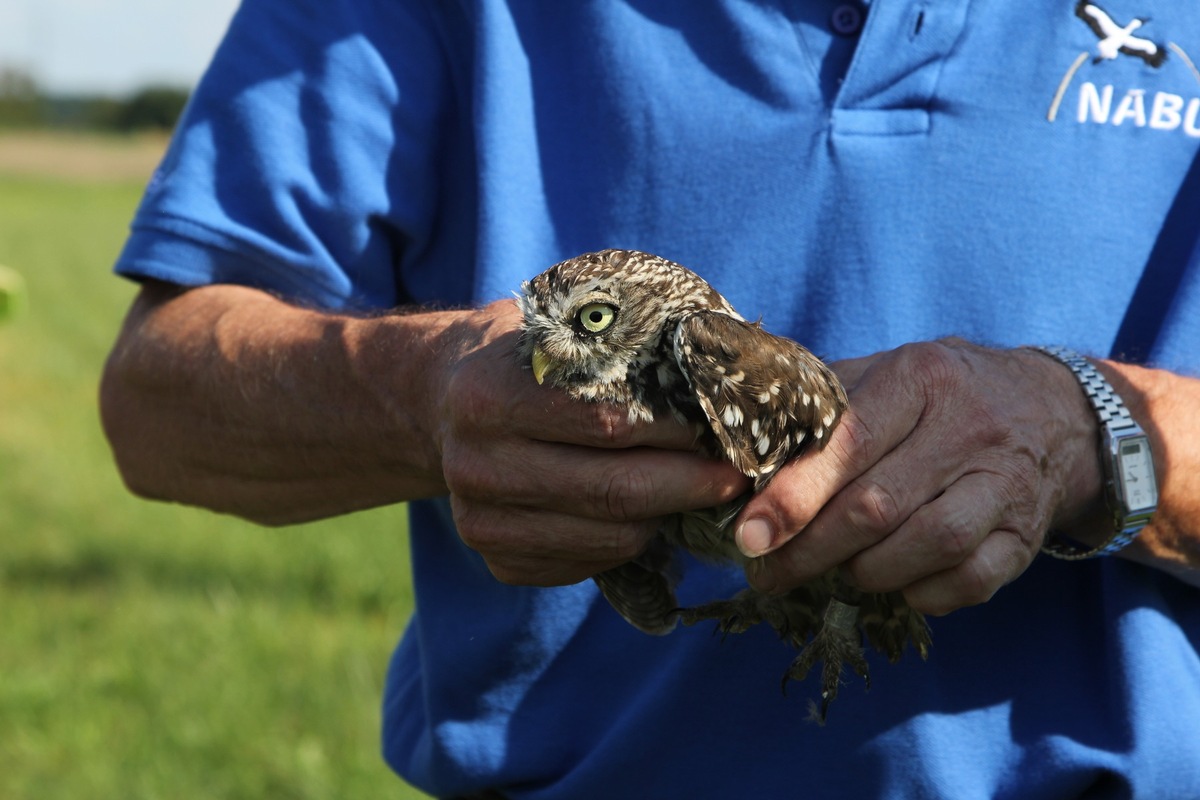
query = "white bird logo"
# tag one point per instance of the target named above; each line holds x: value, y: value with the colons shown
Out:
x: 1116, y: 38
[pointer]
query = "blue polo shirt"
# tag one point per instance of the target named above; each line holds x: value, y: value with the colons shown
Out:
x: 861, y: 176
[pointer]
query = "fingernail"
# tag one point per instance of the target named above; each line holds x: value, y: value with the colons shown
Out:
x: 754, y: 537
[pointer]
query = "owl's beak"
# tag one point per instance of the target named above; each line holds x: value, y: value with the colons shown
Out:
x: 542, y: 364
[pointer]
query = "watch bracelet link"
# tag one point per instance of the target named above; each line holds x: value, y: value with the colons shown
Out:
x: 1113, y: 416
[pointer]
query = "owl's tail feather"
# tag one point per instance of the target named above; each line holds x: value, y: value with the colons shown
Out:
x: 643, y: 590
x: 890, y: 624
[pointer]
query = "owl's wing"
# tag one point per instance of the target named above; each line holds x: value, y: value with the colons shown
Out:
x: 643, y: 590
x: 765, y: 397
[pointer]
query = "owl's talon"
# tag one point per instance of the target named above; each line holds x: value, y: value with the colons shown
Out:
x: 835, y: 644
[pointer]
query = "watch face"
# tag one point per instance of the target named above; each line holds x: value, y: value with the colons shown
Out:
x: 1136, y: 469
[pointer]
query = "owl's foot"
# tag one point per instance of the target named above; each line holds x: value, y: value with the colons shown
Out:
x: 836, y: 642
x: 738, y: 614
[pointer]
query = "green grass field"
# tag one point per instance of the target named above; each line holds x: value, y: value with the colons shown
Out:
x: 149, y: 650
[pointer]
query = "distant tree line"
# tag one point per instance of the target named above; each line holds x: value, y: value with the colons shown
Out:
x: 24, y: 105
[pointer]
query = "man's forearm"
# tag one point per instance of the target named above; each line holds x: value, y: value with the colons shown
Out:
x: 228, y: 398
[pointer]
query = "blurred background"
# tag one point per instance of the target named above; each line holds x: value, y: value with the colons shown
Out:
x: 149, y: 650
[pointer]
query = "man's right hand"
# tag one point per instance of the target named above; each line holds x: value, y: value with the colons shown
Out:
x: 551, y: 490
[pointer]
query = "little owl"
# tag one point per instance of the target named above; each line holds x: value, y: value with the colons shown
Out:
x: 654, y: 338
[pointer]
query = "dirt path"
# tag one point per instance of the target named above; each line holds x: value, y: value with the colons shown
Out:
x: 80, y: 156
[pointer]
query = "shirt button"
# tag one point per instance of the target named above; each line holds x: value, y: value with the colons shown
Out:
x: 847, y: 19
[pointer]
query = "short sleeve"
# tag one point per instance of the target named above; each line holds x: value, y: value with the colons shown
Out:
x: 306, y: 161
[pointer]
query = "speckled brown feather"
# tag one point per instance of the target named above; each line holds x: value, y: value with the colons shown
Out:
x: 767, y: 398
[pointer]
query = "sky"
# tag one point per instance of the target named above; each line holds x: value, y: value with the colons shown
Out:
x: 111, y: 46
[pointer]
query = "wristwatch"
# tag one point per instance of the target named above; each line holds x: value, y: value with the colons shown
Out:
x: 1131, y: 488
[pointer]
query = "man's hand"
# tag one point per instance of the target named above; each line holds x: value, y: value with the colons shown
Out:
x: 548, y: 489
x: 940, y: 482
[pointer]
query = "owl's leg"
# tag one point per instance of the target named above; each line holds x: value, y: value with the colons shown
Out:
x: 738, y: 614
x: 793, y: 616
x: 836, y: 642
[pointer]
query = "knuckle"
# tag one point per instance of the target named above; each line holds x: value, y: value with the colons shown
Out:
x: 788, y: 503
x: 942, y: 375
x: 465, y: 474
x: 873, y: 508
x: 977, y: 579
x: 978, y: 583
x: 627, y: 542
x: 606, y: 425
x: 951, y: 383
x: 623, y: 495
x: 987, y: 428
x: 505, y: 571
x: 855, y: 442
x: 971, y: 583
x: 954, y: 540
x: 474, y: 526
x: 492, y: 531
x: 1019, y: 490
x: 933, y: 364
x: 865, y: 576
x: 934, y: 607
x: 1022, y: 472
x: 521, y: 572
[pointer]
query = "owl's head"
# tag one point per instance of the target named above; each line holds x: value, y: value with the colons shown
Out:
x: 592, y: 320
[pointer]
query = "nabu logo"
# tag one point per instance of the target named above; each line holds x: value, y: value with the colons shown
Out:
x: 1116, y: 38
x: 1103, y: 101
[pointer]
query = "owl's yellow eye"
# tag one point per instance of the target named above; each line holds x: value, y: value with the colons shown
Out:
x: 597, y: 317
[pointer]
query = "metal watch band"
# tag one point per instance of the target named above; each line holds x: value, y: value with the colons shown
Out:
x: 1114, y: 419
